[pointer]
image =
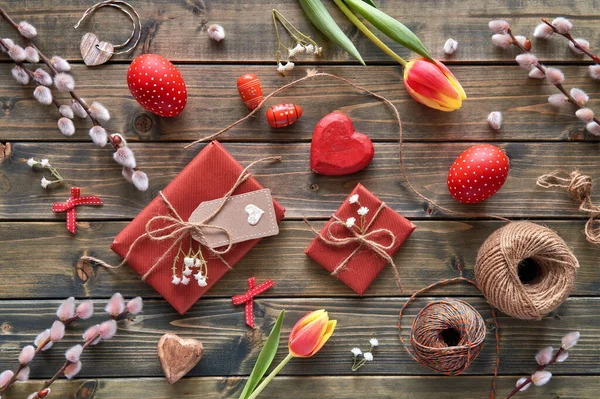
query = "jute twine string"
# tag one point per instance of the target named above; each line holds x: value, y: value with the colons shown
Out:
x: 176, y: 229
x: 497, y: 270
x: 365, y: 238
x: 579, y: 188
x: 428, y: 345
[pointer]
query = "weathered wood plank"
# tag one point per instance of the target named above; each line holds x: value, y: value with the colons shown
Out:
x: 434, y: 252
x: 302, y: 192
x: 177, y: 29
x: 230, y: 347
x: 380, y: 387
x: 214, y: 103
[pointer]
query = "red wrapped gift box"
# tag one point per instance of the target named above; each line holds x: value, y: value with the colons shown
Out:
x: 210, y: 175
x: 363, y: 266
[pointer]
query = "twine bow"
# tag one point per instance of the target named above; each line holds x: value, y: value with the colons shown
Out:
x: 579, y: 188
x: 69, y: 206
x: 365, y: 238
x: 248, y: 298
x: 177, y: 229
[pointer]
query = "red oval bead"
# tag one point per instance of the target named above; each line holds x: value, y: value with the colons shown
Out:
x: 250, y: 90
x: 282, y: 115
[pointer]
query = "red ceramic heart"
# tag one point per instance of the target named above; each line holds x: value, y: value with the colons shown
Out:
x: 336, y: 149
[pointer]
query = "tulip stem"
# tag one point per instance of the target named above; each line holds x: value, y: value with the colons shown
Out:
x: 266, y: 381
x: 363, y: 28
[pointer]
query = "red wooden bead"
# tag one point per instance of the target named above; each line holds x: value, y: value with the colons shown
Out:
x: 282, y: 115
x: 250, y: 90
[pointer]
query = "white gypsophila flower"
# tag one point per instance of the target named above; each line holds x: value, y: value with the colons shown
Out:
x: 562, y: 25
x: 368, y: 356
x: 579, y: 95
x: 99, y: 135
x: 45, y: 163
x: 535, y: 73
x: 60, y: 64
x: 140, y: 181
x: 99, y: 111
x: 350, y: 222
x: 450, y: 46
x: 521, y: 381
x: 45, y: 182
x: 594, y: 71
x: 201, y: 281
x: 32, y: 162
x: 544, y: 356
x: 17, y: 53
x: 27, y: 30
x: 353, y: 199
x: 299, y: 49
x: 281, y: 68
x: 540, y: 378
x: 585, y: 114
x: 363, y: 210
x: 570, y: 340
x: 78, y: 109
x: 197, y: 262
x: 66, y: 126
x: 594, y: 129
x: 20, y: 75
x: 557, y: 99
x: 543, y: 31
x: 495, y: 120
x: 187, y: 271
x: 499, y: 26
x: 31, y: 55
x: 66, y: 111
x: 356, y: 351
x: 216, y: 32
x: 42, y: 77
x: 289, y: 66
x: 318, y: 50
x: 176, y: 280
x: 583, y: 44
x: 374, y: 342
x: 43, y: 94
x: 188, y: 262
x: 310, y: 49
x: 64, y: 82
x: 185, y: 280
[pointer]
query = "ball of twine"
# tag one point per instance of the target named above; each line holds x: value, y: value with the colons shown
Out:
x: 447, y: 335
x: 519, y: 245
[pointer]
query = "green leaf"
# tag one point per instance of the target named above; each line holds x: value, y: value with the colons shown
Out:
x: 392, y: 28
x: 265, y: 358
x: 370, y: 2
x: 319, y: 16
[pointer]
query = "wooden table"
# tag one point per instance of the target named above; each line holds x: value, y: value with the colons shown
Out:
x: 39, y: 258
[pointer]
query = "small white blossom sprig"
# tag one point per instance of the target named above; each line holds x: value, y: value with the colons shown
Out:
x: 360, y: 357
x: 45, y: 164
x: 67, y: 313
x: 301, y: 44
x: 362, y: 212
x: 545, y: 358
x: 117, y: 310
x: 504, y: 38
x: 562, y: 26
x: 57, y: 75
x: 191, y: 260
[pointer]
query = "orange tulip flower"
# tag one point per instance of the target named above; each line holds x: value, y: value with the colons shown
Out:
x: 310, y: 333
x: 433, y: 85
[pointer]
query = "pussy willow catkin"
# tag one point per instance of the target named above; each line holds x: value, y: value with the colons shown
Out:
x: 447, y: 335
x: 504, y: 253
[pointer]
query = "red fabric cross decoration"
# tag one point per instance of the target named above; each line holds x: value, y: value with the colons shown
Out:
x: 69, y: 206
x: 247, y: 298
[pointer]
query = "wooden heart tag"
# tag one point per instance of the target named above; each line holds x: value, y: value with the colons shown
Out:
x: 91, y: 55
x: 178, y: 356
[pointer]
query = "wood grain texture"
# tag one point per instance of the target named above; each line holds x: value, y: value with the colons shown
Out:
x: 177, y: 29
x: 231, y: 348
x: 214, y: 103
x: 381, y: 387
x: 434, y: 252
x: 300, y: 191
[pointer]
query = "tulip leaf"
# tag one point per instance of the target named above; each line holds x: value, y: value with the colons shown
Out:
x: 370, y: 2
x: 265, y: 358
x: 391, y: 27
x: 319, y: 16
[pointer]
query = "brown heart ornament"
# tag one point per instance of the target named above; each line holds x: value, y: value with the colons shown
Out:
x: 90, y: 50
x: 178, y: 356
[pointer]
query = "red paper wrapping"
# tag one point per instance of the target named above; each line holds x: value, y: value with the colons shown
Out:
x: 210, y: 175
x: 365, y: 265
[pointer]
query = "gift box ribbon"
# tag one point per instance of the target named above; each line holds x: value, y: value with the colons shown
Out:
x: 248, y: 298
x: 363, y: 239
x: 69, y: 206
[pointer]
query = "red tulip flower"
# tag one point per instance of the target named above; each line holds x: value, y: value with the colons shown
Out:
x: 433, y: 85
x: 310, y: 333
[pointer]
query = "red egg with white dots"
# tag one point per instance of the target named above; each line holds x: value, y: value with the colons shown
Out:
x: 157, y: 85
x: 478, y: 173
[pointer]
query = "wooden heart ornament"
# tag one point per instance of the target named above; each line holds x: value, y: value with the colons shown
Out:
x: 178, y: 356
x: 91, y: 54
x: 336, y: 149
x: 254, y: 214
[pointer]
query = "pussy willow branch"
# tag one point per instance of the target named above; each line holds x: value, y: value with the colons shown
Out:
x: 518, y: 388
x: 572, y: 40
x: 40, y: 347
x: 539, y: 66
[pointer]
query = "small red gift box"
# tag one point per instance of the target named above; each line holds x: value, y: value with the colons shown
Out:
x: 339, y: 250
x: 209, y: 176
